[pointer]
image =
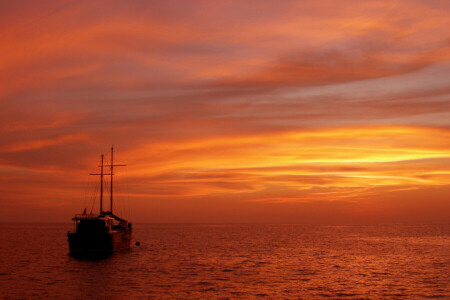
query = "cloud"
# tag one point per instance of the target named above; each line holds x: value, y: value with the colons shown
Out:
x: 251, y: 103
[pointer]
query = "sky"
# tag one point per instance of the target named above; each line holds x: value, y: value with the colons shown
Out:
x: 227, y: 111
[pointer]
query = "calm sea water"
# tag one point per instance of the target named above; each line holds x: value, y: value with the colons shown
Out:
x: 232, y: 261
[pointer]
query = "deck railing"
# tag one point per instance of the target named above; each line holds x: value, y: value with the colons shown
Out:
x: 85, y: 216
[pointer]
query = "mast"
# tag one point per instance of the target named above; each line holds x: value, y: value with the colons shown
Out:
x: 112, y: 166
x: 101, y: 186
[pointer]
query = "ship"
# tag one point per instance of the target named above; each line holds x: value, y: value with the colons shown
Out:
x: 103, y: 233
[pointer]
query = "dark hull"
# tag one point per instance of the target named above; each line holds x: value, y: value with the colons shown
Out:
x: 98, y: 244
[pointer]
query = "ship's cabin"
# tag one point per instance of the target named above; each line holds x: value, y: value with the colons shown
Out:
x: 99, y: 224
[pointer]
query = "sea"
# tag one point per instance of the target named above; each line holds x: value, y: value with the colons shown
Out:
x: 232, y: 261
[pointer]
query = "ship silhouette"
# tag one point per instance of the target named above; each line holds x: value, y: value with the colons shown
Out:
x: 104, y: 233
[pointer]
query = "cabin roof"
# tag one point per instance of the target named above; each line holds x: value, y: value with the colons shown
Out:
x: 103, y: 216
x: 110, y: 214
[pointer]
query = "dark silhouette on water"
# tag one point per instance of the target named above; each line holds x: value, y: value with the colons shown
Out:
x: 102, y: 234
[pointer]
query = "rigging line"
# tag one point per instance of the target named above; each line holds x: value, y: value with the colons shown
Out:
x: 86, y: 189
x: 127, y: 187
x: 118, y: 188
x: 117, y: 204
x: 96, y: 190
x: 120, y: 205
x: 89, y: 199
x: 124, y: 193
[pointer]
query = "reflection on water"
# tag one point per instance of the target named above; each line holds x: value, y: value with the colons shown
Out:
x: 233, y: 261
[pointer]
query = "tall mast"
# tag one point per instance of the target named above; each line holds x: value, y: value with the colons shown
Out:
x: 101, y: 184
x: 101, y: 187
x: 112, y: 166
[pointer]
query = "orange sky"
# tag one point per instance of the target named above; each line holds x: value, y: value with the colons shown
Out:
x: 238, y: 111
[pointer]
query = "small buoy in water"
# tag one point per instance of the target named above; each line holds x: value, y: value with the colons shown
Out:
x: 138, y: 243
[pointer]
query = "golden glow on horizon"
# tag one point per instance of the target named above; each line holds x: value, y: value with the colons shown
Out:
x: 349, y: 145
x: 302, y: 161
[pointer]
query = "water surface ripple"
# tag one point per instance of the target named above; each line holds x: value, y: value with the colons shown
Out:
x: 233, y: 261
